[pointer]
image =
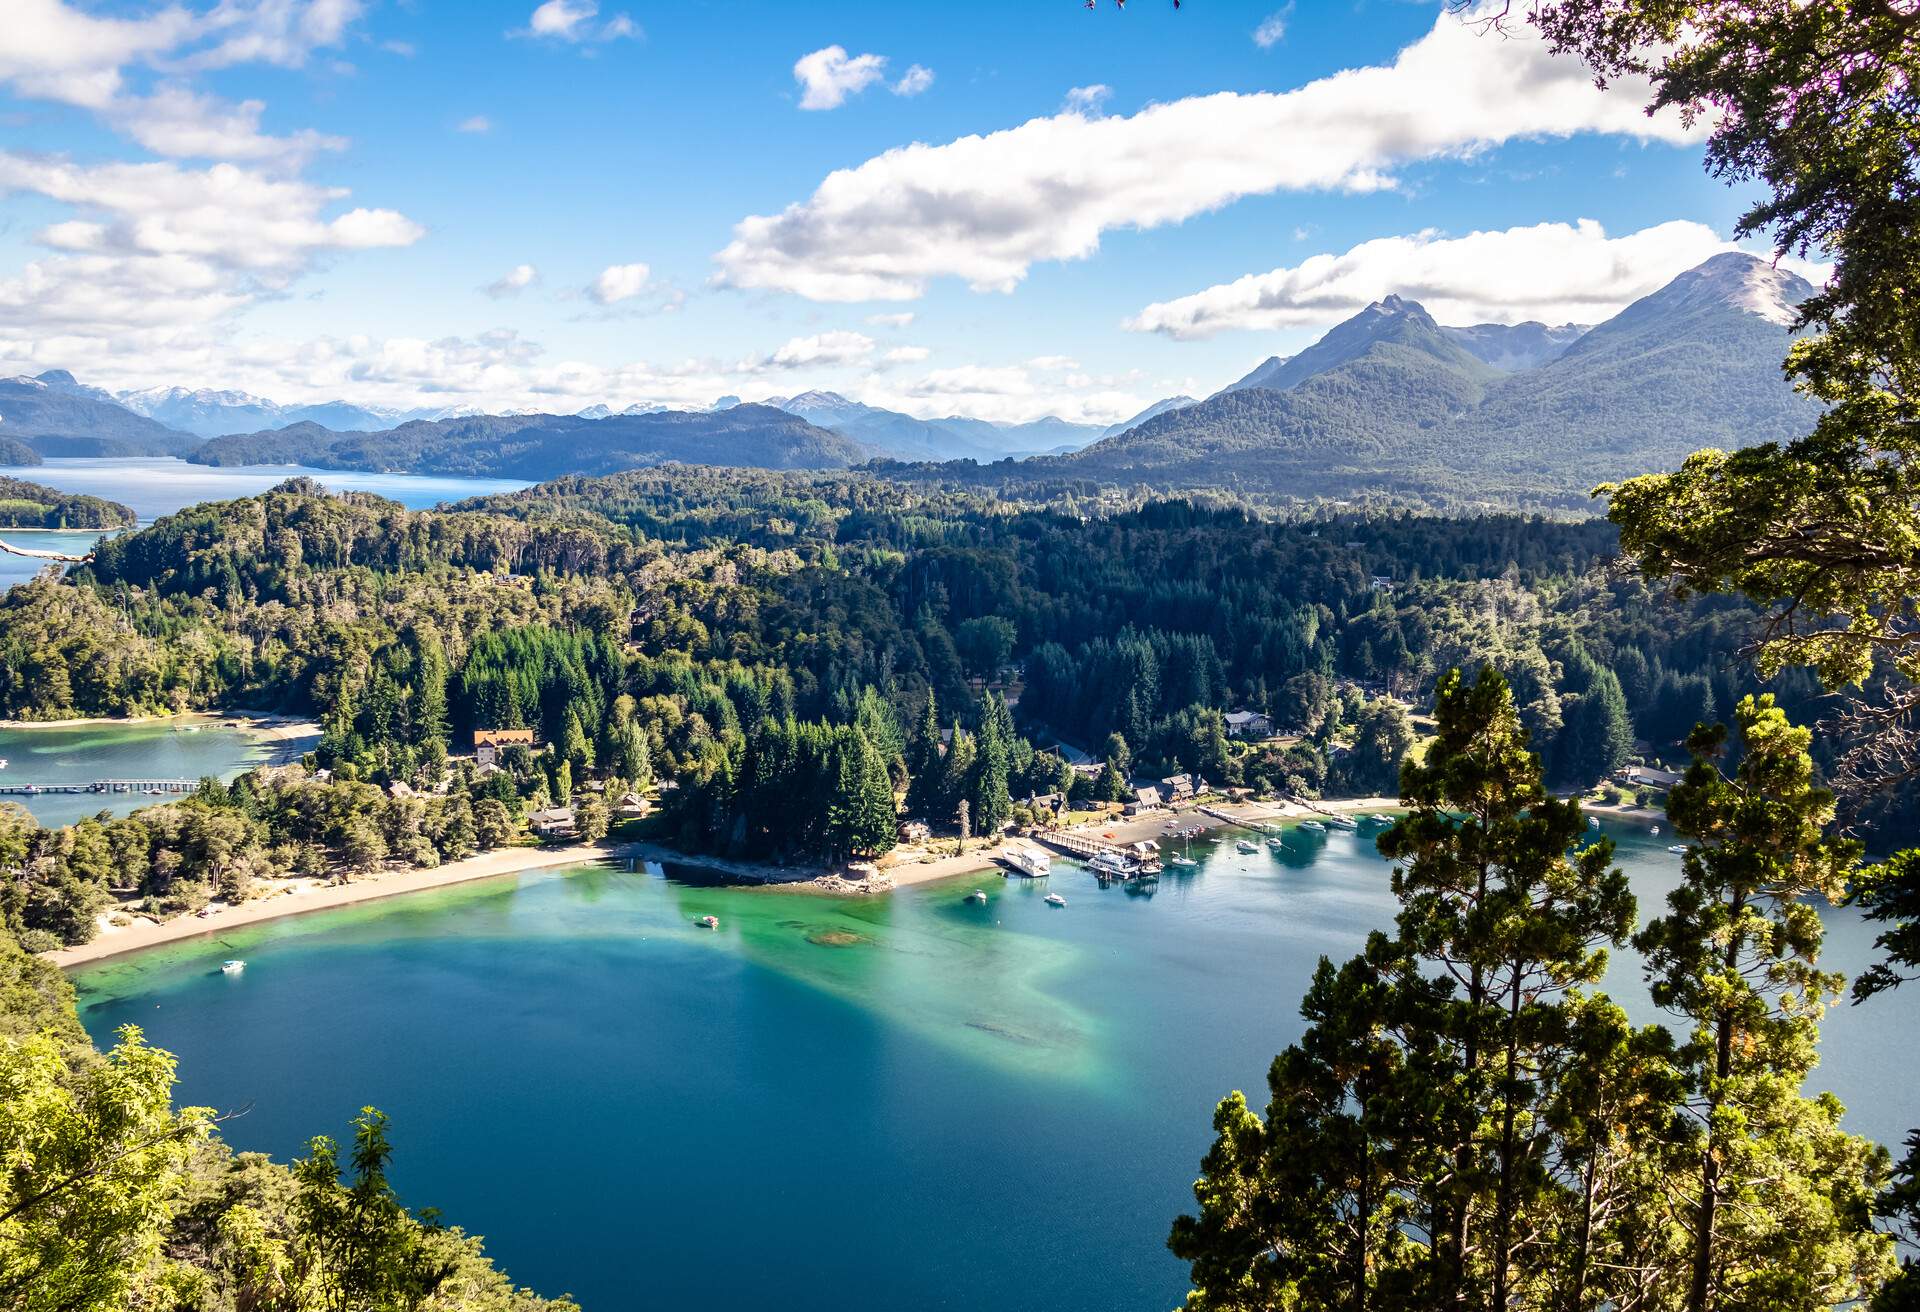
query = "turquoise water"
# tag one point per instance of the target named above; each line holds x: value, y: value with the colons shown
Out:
x: 905, y: 1102
x: 159, y: 485
x: 84, y: 753
x: 18, y: 569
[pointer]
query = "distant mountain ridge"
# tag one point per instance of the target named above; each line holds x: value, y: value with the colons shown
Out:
x: 903, y: 437
x: 1390, y: 401
x: 52, y: 414
x: 538, y: 447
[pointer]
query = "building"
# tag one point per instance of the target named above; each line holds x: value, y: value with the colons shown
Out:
x: 1249, y: 724
x: 1176, y: 788
x: 632, y: 806
x: 1646, y: 776
x: 1382, y: 582
x: 489, y: 743
x: 1143, y: 801
x: 554, y: 822
x: 915, y: 831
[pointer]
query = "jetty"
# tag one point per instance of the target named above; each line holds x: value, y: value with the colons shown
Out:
x: 1080, y: 845
x: 101, y: 786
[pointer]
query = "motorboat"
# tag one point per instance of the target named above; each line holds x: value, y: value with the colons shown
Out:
x: 1340, y: 822
x: 977, y: 896
x: 1655, y: 831
x: 1055, y: 900
x: 1276, y: 845
x: 232, y: 967
x: 1313, y: 825
x: 1247, y: 845
x: 1113, y: 865
x: 1031, y: 862
x: 708, y: 922
x: 1678, y: 849
x: 1593, y: 822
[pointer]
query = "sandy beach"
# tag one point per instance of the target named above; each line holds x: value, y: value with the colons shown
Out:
x: 112, y: 941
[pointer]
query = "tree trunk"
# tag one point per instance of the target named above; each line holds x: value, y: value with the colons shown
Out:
x: 1703, y: 1231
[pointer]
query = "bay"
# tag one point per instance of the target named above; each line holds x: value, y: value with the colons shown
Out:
x: 187, y: 748
x: 909, y: 1101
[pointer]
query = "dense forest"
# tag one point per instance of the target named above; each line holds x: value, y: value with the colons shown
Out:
x: 804, y: 655
x: 29, y: 505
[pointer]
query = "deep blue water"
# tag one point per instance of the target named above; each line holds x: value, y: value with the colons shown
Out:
x: 890, y: 1103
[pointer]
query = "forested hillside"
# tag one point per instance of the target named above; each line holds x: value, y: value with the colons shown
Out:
x: 30, y: 505
x: 546, y: 446
x: 1389, y: 404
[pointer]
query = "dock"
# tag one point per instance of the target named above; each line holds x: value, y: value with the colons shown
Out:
x: 102, y: 786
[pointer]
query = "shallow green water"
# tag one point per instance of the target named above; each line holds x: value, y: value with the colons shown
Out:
x: 85, y: 753
x: 907, y: 1102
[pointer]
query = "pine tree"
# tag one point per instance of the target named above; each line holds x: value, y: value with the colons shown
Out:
x: 924, y: 763
x: 1779, y: 1195
x: 1491, y: 898
x: 430, y: 697
x: 992, y: 805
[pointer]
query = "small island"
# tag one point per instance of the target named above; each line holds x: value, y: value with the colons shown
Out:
x: 35, y: 506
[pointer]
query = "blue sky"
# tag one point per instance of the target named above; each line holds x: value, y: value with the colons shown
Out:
x: 311, y: 198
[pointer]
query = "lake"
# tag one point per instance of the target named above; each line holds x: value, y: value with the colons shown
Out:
x: 159, y: 485
x: 898, y: 1102
x: 72, y: 754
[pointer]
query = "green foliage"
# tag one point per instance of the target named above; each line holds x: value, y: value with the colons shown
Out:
x: 31, y: 505
x: 1781, y: 1198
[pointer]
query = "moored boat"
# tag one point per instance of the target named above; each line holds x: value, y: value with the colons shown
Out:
x: 1313, y: 826
x: 977, y: 896
x: 1340, y: 822
x: 1055, y: 900
x: 1678, y: 849
x: 1030, y: 861
x: 232, y: 967
x: 708, y: 922
x: 1113, y: 865
x: 1247, y: 845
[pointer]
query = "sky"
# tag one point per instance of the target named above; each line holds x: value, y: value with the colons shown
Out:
x: 1002, y: 209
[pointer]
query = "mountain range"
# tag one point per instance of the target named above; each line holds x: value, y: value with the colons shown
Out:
x: 1392, y: 402
x: 903, y: 437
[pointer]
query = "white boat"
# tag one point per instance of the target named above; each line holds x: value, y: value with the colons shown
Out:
x: 232, y: 967
x: 1185, y: 862
x: 1031, y: 862
x: 1340, y: 822
x: 1276, y: 845
x: 1656, y: 831
x: 1055, y: 900
x: 1112, y: 865
x: 1678, y: 849
x: 3, y: 762
x: 1593, y: 822
x: 976, y: 896
x: 1247, y: 845
x: 1313, y: 825
x: 1382, y: 819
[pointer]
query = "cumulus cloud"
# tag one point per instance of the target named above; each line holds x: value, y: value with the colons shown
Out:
x: 181, y: 123
x: 55, y: 52
x: 985, y: 209
x: 1554, y: 272
x: 906, y: 355
x: 478, y: 124
x: 512, y: 282
x: 828, y: 76
x: 840, y: 347
x: 621, y: 282
x: 159, y: 259
x: 280, y: 32
x: 916, y: 79
x: 576, y: 22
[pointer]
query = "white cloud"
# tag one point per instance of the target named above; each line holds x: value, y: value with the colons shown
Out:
x: 1554, y: 272
x: 986, y: 208
x: 55, y: 52
x: 179, y: 122
x: 828, y: 76
x: 1053, y: 363
x: 1003, y: 394
x: 840, y: 347
x: 621, y: 282
x: 512, y: 282
x: 478, y: 124
x: 280, y: 32
x: 906, y: 355
x: 916, y: 79
x: 404, y: 49
x: 1087, y: 100
x: 1273, y: 28
x: 576, y: 22
x: 902, y: 320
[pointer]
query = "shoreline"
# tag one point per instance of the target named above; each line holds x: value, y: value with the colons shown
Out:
x: 144, y: 934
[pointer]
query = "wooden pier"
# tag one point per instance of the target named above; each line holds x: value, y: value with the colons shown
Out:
x: 1080, y: 845
x: 101, y: 786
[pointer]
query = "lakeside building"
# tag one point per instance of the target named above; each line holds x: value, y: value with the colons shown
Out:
x: 489, y: 743
x: 554, y: 822
x: 1249, y: 724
